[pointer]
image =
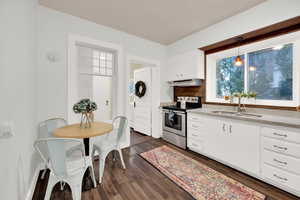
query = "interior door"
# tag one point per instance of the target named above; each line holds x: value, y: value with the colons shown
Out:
x: 95, y: 76
x: 102, y: 94
x: 142, y: 108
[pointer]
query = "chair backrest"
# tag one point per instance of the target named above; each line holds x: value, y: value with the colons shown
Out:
x: 119, y: 127
x: 47, y: 127
x: 57, y: 153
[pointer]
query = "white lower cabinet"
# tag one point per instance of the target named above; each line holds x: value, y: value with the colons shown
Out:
x: 239, y: 145
x: 280, y: 158
x: 281, y: 177
x: 231, y: 142
x: 269, y: 153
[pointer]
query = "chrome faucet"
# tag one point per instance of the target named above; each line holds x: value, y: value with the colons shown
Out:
x: 239, y: 108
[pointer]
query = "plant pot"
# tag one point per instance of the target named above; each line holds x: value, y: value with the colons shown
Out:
x: 86, y: 120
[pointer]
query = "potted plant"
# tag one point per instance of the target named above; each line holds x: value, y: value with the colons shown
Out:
x: 85, y: 107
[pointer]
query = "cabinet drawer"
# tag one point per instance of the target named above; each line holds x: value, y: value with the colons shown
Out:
x: 195, y: 125
x: 281, y: 134
x: 195, y: 118
x: 278, y: 160
x: 281, y: 146
x: 197, y: 145
x: 195, y: 134
x: 281, y: 177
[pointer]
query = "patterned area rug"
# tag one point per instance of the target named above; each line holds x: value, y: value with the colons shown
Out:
x: 202, y: 182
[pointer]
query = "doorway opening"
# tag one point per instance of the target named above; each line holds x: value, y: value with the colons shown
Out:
x: 143, y: 111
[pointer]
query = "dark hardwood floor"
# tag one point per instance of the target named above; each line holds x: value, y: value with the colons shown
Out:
x: 141, y: 181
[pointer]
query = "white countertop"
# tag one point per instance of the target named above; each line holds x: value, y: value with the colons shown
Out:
x: 276, y: 120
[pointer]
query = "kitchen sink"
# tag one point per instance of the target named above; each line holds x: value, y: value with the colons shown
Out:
x: 248, y: 115
x: 242, y: 114
x: 223, y: 112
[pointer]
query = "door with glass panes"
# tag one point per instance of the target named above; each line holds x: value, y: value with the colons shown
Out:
x: 95, y: 67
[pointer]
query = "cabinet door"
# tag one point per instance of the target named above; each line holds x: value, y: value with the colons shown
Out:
x: 242, y: 146
x: 193, y: 65
x: 189, y: 65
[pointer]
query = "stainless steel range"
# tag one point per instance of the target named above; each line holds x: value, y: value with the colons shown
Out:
x: 174, y: 120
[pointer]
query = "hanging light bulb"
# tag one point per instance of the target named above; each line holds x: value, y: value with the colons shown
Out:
x: 238, y: 60
x: 252, y: 68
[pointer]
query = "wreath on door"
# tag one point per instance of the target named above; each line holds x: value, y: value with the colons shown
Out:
x: 140, y: 89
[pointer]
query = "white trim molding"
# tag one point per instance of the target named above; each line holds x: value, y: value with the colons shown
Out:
x: 155, y: 66
x: 33, y: 182
x: 292, y: 38
x: 118, y: 80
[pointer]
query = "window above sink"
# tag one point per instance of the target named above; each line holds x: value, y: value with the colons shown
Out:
x: 270, y: 68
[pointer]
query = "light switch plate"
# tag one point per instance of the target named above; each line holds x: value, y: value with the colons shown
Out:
x: 7, y: 130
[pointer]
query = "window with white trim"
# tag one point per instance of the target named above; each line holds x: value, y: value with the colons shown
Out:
x: 270, y: 69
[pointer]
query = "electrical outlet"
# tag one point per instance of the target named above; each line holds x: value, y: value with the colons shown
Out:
x: 7, y: 130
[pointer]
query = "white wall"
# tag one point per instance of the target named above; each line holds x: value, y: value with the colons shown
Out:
x: 53, y: 30
x: 17, y: 95
x: 267, y: 13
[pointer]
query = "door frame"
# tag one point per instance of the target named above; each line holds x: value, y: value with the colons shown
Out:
x: 155, y: 87
x: 118, y: 79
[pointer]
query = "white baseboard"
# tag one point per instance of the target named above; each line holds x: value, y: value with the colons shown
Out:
x: 33, y: 182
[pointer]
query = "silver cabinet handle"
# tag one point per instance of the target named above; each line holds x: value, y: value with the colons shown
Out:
x: 279, y: 177
x: 280, y: 162
x: 230, y: 129
x: 223, y: 128
x: 195, y: 126
x: 194, y: 135
x: 279, y: 147
x: 280, y: 135
x: 193, y: 118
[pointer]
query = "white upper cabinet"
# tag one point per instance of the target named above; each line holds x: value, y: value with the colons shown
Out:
x: 189, y: 65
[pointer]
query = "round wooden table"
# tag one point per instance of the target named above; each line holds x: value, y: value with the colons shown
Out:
x: 74, y: 131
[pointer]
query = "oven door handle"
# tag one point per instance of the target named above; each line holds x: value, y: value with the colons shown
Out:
x: 175, y: 111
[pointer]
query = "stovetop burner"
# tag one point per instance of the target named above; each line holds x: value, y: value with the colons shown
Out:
x: 175, y: 107
x: 190, y: 103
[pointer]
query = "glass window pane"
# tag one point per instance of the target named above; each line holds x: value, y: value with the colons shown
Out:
x: 109, y: 64
x: 109, y: 72
x: 271, y: 73
x: 95, y: 62
x: 95, y: 69
x: 230, y: 78
x: 102, y: 63
x: 102, y: 71
x: 102, y: 56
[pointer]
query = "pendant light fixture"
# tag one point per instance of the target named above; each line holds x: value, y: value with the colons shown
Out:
x: 238, y: 60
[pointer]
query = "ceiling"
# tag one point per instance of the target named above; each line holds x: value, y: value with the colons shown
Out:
x: 162, y: 21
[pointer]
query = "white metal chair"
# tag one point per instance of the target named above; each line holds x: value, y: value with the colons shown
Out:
x: 46, y: 129
x: 64, y: 169
x: 110, y: 143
